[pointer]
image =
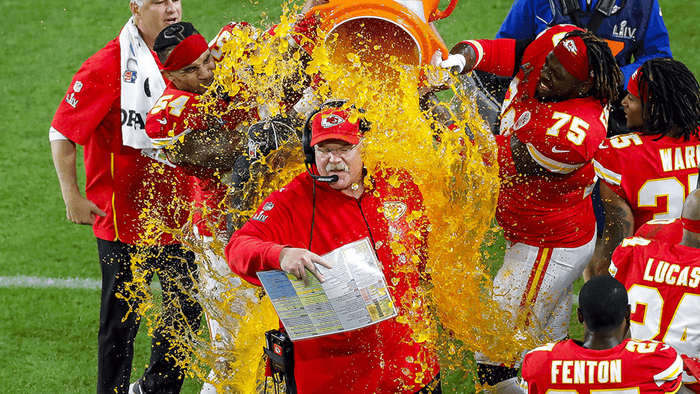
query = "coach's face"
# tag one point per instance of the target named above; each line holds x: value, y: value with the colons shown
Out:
x: 155, y: 15
x: 337, y: 157
x: 558, y: 84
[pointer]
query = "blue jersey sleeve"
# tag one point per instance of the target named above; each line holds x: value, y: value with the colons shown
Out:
x: 655, y: 43
x: 525, y: 20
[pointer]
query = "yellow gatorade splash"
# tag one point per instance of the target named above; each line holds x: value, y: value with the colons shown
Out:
x: 457, y: 177
x: 455, y: 170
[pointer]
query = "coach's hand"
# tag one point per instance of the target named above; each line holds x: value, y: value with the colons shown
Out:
x: 296, y: 261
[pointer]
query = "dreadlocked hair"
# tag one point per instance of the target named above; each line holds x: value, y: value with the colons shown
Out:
x: 605, y: 73
x: 670, y: 97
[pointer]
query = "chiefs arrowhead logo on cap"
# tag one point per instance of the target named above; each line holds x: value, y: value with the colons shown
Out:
x: 331, y: 120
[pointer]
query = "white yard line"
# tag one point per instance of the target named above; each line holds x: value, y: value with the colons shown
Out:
x: 57, y: 283
x: 37, y: 282
x: 76, y: 283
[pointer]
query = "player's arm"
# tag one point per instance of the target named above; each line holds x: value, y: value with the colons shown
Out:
x: 619, y: 224
x: 78, y: 208
x: 213, y: 147
x: 525, y: 164
x: 188, y: 135
x: 516, y: 158
x: 501, y: 56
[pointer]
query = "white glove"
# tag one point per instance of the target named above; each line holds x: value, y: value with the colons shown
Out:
x: 458, y: 61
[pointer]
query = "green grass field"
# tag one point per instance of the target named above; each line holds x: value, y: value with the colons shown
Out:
x: 48, y: 337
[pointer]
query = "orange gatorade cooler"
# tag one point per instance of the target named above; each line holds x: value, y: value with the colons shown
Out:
x: 377, y: 29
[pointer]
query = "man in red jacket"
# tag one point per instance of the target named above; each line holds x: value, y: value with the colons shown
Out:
x: 105, y: 111
x: 332, y: 205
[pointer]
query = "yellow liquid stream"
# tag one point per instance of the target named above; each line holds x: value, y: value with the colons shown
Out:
x: 374, y: 66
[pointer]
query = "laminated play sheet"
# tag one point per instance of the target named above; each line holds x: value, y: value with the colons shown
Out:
x: 353, y: 295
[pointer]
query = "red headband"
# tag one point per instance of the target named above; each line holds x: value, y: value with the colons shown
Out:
x: 633, y: 84
x: 186, y: 52
x: 573, y: 56
x: 691, y: 225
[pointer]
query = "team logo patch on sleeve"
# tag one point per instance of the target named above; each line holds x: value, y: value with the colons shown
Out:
x: 260, y: 216
x: 71, y: 100
x: 252, y: 149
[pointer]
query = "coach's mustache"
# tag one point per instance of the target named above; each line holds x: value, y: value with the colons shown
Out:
x: 337, y: 167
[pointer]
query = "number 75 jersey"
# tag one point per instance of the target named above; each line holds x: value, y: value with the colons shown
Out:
x: 562, y: 137
x: 653, y: 175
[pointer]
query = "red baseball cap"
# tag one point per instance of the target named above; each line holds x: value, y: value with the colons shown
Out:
x: 333, y: 124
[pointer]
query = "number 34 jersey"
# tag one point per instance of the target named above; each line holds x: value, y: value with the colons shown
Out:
x: 633, y: 366
x: 663, y: 284
x: 654, y: 175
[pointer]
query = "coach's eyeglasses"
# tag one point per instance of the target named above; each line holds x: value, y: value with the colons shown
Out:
x: 342, y: 151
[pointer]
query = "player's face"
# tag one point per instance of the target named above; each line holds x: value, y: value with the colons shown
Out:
x: 336, y: 157
x: 196, y: 77
x: 155, y: 15
x: 555, y: 82
x: 633, y: 111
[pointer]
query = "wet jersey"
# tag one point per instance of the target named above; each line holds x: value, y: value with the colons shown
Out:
x: 662, y: 282
x: 632, y: 366
x: 653, y: 175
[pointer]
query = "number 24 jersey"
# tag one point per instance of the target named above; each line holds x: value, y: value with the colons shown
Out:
x: 663, y: 283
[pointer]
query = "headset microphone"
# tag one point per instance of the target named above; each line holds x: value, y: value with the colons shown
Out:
x: 321, y: 178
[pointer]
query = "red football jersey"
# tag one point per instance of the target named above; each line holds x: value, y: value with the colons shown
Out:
x: 662, y: 281
x: 654, y: 175
x: 176, y: 114
x: 631, y: 367
x: 562, y: 137
x: 664, y: 230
